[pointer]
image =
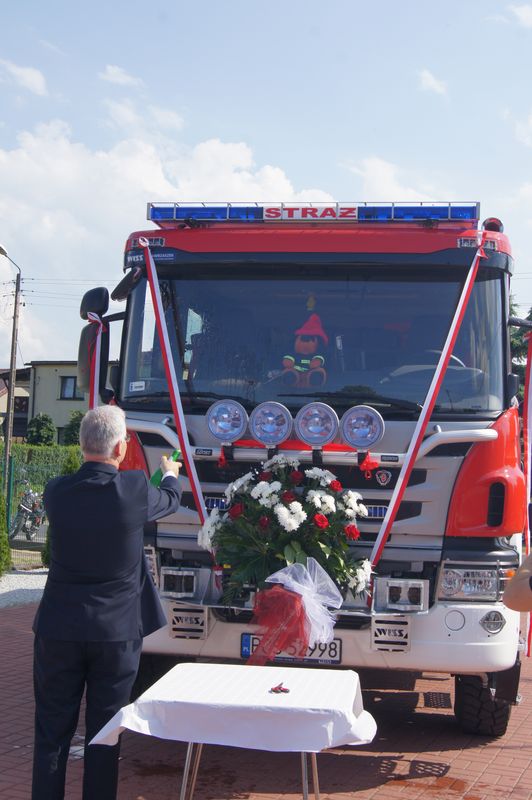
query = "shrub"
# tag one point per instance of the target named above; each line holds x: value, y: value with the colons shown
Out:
x: 5, y: 553
x: 41, y: 430
x: 71, y: 432
x: 71, y: 464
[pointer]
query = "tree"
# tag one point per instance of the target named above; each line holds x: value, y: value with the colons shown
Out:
x: 71, y: 432
x: 519, y: 345
x: 41, y: 430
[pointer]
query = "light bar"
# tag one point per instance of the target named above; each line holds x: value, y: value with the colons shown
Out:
x: 313, y: 212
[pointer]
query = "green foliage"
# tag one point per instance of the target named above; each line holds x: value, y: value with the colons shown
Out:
x: 71, y: 464
x: 41, y: 430
x: 71, y: 432
x: 519, y: 346
x: 72, y: 461
x: 5, y: 553
x: 45, y: 554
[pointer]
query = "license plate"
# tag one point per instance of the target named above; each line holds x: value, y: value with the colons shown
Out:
x: 330, y: 653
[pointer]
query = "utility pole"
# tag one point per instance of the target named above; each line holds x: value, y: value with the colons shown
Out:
x: 12, y: 376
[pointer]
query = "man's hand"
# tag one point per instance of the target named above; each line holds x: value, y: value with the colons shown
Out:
x: 518, y: 592
x: 170, y: 466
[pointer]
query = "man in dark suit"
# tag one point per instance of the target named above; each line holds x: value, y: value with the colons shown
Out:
x: 98, y: 603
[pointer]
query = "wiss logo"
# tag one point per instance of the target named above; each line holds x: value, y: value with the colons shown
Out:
x: 391, y: 633
x: 186, y: 620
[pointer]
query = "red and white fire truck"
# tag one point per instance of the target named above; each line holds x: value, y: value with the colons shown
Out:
x: 344, y: 309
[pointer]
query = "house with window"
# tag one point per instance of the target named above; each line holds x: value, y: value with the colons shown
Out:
x: 21, y: 401
x: 54, y: 391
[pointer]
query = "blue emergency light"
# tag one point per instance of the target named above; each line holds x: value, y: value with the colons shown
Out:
x: 313, y: 212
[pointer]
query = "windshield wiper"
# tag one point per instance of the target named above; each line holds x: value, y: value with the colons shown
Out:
x: 371, y: 399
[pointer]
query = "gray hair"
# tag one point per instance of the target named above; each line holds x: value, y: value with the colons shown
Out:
x: 101, y: 429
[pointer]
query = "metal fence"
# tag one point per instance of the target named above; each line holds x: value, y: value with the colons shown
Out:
x: 27, y: 525
x: 26, y: 522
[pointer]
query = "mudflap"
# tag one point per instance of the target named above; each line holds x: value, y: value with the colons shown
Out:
x: 506, y: 683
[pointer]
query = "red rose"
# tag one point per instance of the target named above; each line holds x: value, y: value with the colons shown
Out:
x: 288, y: 497
x: 336, y: 486
x: 352, y: 532
x: 236, y: 511
x: 264, y: 522
x: 321, y: 520
x: 265, y: 476
x: 296, y: 477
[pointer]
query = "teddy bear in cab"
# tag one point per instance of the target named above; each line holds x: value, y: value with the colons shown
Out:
x: 306, y: 367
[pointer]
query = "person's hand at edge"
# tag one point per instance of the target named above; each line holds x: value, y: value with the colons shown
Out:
x: 518, y: 592
x: 170, y: 466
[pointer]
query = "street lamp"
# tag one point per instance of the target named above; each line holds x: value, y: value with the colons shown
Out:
x: 12, y: 375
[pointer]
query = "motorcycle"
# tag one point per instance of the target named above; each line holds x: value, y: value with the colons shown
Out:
x: 30, y: 514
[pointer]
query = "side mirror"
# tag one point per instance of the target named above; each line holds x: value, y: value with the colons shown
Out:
x: 127, y: 284
x: 87, y: 344
x: 512, y: 384
x: 95, y: 300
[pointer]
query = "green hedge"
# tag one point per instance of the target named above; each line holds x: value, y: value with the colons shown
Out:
x: 5, y: 553
x: 47, y: 456
x: 40, y: 463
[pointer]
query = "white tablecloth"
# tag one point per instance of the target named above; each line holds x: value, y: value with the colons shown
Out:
x: 232, y: 705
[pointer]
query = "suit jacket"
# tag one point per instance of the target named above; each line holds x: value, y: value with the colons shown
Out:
x: 98, y: 587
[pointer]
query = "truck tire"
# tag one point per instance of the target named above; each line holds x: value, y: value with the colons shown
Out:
x: 476, y: 710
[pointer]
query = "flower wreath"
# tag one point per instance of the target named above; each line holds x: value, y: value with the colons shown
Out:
x: 280, y: 515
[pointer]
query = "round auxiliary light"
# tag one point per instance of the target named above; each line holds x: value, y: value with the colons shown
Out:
x: 316, y: 424
x: 362, y: 427
x: 270, y: 423
x: 227, y: 420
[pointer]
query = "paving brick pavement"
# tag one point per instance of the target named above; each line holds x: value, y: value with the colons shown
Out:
x: 418, y: 751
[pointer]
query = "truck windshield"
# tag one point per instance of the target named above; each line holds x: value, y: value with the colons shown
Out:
x: 345, y: 335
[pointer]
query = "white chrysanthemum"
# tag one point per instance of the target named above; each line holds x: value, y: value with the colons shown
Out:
x: 291, y: 516
x: 280, y: 461
x: 314, y: 497
x: 361, y: 510
x: 349, y: 512
x: 286, y: 519
x: 208, y: 529
x: 323, y: 475
x: 296, y: 509
x: 361, y: 577
x: 351, y: 499
x: 240, y: 483
x: 328, y: 506
x: 260, y: 490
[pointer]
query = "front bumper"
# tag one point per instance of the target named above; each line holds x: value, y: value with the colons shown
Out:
x: 434, y: 642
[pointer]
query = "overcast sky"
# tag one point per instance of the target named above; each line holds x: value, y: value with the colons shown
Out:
x: 106, y: 106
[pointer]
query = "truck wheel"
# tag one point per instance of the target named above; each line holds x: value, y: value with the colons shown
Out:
x: 476, y: 710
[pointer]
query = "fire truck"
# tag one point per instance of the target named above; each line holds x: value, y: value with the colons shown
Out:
x: 341, y: 310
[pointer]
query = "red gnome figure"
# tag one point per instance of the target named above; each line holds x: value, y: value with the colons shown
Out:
x: 306, y: 367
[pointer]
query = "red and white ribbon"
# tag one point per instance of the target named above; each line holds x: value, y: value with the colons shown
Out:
x: 428, y: 405
x: 171, y: 377
x: 527, y: 417
x: 94, y: 385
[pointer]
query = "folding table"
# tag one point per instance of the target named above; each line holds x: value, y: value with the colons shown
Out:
x: 234, y: 705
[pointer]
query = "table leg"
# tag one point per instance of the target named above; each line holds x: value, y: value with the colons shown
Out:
x: 304, y: 775
x: 186, y: 770
x: 195, y: 768
x: 315, y: 781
